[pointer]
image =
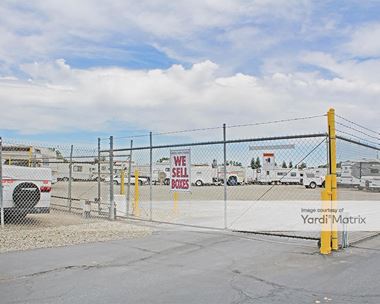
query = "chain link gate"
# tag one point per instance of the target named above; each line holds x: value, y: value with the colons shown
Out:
x: 233, y: 176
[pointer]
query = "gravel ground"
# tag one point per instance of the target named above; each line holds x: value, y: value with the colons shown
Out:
x: 62, y: 229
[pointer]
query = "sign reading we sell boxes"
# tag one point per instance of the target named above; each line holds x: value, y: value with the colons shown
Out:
x: 180, y: 180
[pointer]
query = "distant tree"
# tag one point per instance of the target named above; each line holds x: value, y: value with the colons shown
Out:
x: 258, y: 164
x: 253, y: 163
x: 284, y: 164
x: 290, y: 164
x: 302, y: 166
x: 163, y: 159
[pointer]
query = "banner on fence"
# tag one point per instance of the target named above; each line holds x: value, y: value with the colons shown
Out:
x: 180, y: 166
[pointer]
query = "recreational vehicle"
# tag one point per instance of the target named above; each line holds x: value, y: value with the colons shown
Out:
x: 283, y: 176
x: 363, y: 174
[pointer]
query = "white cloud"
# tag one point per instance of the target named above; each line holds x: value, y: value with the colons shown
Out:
x: 365, y: 41
x: 41, y: 30
x: 59, y: 98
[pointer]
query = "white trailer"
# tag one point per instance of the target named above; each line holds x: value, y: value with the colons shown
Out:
x: 363, y: 174
x: 26, y: 190
x: 203, y: 174
x: 368, y: 173
x: 161, y: 173
x: 80, y: 172
x: 286, y: 176
x: 346, y: 178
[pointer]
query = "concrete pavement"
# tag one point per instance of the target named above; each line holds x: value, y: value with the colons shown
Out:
x: 192, y: 266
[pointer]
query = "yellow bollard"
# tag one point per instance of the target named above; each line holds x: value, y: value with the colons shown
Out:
x: 175, y: 205
x: 136, y: 209
x: 334, y: 194
x: 326, y: 227
x: 122, y: 184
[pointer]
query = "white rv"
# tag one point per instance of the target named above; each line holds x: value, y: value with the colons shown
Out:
x: 26, y: 190
x: 80, y: 171
x: 285, y: 176
x: 363, y: 174
x: 346, y: 179
x: 366, y: 173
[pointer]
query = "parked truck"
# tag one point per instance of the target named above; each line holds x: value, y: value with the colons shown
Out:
x: 314, y: 177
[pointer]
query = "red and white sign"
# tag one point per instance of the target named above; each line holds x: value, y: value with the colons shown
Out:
x: 180, y: 170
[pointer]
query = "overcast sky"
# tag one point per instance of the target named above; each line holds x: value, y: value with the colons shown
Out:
x: 79, y: 69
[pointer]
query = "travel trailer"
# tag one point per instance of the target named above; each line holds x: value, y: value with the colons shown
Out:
x: 362, y: 174
x: 285, y: 176
x: 79, y: 172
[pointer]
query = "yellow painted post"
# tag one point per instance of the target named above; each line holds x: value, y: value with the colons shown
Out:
x: 136, y: 209
x: 10, y: 161
x: 30, y: 157
x: 122, y: 184
x: 326, y: 227
x: 334, y: 194
x: 175, y: 205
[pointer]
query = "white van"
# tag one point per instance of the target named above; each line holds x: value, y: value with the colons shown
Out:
x: 315, y: 177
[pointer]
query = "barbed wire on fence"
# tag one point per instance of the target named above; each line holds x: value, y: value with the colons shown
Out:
x: 358, y: 125
x: 357, y: 137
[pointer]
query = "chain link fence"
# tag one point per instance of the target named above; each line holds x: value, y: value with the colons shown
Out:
x: 358, y: 162
x: 233, y: 173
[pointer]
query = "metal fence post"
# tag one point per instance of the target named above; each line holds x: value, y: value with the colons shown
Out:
x: 70, y: 177
x: 325, y: 247
x: 99, y: 177
x: 128, y: 197
x: 112, y: 202
x: 1, y: 183
x: 332, y: 163
x: 150, y: 177
x: 225, y: 174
